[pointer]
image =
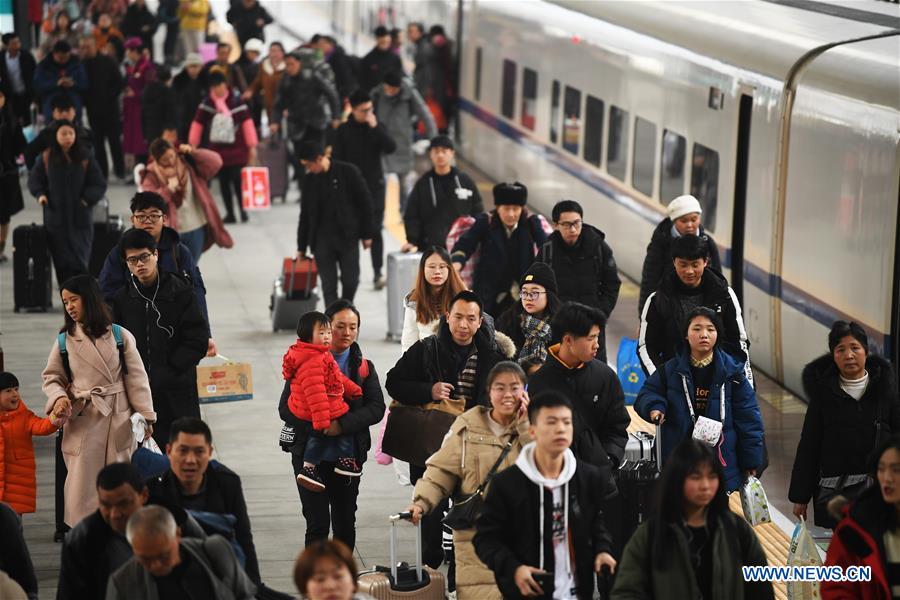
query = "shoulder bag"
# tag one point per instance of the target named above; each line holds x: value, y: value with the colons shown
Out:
x: 464, y: 511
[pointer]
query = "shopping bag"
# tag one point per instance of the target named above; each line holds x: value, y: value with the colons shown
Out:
x: 803, y: 553
x: 255, y: 188
x: 208, y: 51
x: 631, y: 376
x: 754, y: 502
x: 230, y: 382
x: 380, y: 457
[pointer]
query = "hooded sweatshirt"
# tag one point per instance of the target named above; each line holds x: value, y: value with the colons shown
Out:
x: 563, y: 576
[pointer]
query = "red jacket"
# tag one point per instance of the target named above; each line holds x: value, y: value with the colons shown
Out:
x: 318, y: 387
x: 18, y: 484
x: 859, y: 541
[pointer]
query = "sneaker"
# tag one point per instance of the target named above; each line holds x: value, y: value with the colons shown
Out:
x: 379, y: 282
x: 309, y: 479
x: 348, y: 467
x: 229, y: 219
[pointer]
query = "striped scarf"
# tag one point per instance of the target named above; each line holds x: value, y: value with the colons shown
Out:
x: 465, y: 386
x: 537, y: 339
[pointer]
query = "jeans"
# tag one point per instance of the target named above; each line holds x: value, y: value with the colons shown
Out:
x: 194, y: 240
x: 377, y: 249
x: 329, y: 254
x: 432, y: 544
x: 230, y: 182
x: 335, y: 508
x: 328, y: 448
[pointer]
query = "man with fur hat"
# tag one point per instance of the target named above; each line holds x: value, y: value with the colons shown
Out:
x: 684, y: 216
x: 507, y: 237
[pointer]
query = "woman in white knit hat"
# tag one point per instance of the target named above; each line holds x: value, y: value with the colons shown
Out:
x: 684, y: 218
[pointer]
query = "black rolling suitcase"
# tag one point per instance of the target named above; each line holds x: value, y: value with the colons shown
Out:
x: 32, y: 279
x: 107, y: 233
x: 636, y: 480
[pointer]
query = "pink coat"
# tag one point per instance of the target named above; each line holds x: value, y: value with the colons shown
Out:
x: 206, y: 164
x: 139, y: 76
x: 103, y: 400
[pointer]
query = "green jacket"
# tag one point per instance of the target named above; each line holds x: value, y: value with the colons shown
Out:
x: 638, y: 579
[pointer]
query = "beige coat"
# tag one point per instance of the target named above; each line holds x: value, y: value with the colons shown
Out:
x: 103, y: 400
x: 457, y: 469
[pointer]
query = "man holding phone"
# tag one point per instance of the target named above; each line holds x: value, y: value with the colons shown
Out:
x: 556, y: 554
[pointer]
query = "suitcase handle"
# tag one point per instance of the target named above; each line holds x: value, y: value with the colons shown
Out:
x: 393, y: 520
x: 290, y: 287
x: 658, y: 440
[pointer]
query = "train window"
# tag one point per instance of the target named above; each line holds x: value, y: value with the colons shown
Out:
x: 508, y: 95
x: 643, y: 156
x: 593, y: 130
x: 705, y: 182
x: 671, y: 181
x: 478, y: 73
x: 617, y: 144
x: 571, y: 119
x: 529, y: 98
x: 554, y: 114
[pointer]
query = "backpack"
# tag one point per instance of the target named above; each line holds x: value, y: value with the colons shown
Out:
x: 120, y: 346
x: 223, y: 524
x: 221, y: 129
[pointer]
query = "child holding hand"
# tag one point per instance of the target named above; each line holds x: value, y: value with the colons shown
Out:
x: 18, y: 482
x: 319, y: 394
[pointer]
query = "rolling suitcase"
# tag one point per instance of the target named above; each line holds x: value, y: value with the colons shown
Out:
x: 401, y: 580
x: 273, y: 153
x: 402, y: 269
x: 293, y: 293
x: 107, y: 233
x: 32, y: 280
x: 636, y: 478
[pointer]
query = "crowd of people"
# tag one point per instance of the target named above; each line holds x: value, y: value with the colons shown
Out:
x: 501, y: 411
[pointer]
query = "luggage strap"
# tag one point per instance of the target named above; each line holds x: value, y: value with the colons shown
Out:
x: 120, y: 346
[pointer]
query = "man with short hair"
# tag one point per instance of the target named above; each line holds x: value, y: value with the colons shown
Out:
x: 171, y: 334
x: 159, y: 105
x: 363, y: 141
x: 60, y: 73
x: 601, y: 419
x: 450, y: 365
x: 335, y: 216
x: 306, y: 99
x: 96, y: 547
x: 380, y: 60
x: 105, y: 85
x: 438, y: 198
x: 190, y: 93
x: 192, y: 483
x: 583, y: 262
x: 689, y: 285
x: 397, y: 103
x: 420, y: 51
x: 62, y: 109
x: 249, y: 19
x: 17, y: 72
x: 166, y: 566
x: 543, y: 515
x: 336, y: 56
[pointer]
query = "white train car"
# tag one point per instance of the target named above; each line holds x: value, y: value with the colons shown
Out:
x: 782, y: 117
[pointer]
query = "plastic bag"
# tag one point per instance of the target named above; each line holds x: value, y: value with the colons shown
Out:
x: 380, y: 457
x: 803, y: 553
x: 631, y: 376
x: 754, y: 502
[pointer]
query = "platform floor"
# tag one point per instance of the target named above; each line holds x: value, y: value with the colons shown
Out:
x: 245, y: 434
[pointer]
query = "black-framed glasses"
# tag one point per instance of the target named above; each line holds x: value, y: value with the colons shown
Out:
x: 532, y: 295
x: 571, y: 224
x: 148, y: 218
x: 139, y: 259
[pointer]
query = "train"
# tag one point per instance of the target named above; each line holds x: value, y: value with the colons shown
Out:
x: 782, y: 117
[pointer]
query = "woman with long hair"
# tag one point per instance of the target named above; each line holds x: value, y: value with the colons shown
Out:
x: 703, y: 393
x: 67, y: 182
x: 436, y: 284
x: 181, y: 175
x: 693, y: 546
x: 95, y: 377
x: 527, y: 322
x: 12, y: 144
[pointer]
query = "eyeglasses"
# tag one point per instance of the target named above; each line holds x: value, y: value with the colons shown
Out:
x: 532, y: 295
x: 151, y: 218
x: 570, y: 224
x: 139, y: 259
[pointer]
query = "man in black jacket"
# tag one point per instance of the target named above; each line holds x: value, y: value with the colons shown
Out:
x: 572, y: 368
x: 564, y: 492
x: 439, y: 197
x: 159, y: 105
x: 380, y: 60
x: 192, y: 483
x: 62, y: 109
x: 689, y: 285
x: 341, y: 65
x: 249, y: 19
x: 309, y: 100
x: 583, y: 263
x: 105, y: 85
x: 170, y: 331
x: 362, y: 141
x: 17, y: 72
x: 335, y: 508
x: 190, y: 93
x: 335, y: 215
x: 96, y: 546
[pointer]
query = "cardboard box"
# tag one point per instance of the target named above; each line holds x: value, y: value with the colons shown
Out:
x: 225, y: 383
x: 255, y: 188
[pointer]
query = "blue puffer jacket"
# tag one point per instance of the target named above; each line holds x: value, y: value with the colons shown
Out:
x: 743, y: 426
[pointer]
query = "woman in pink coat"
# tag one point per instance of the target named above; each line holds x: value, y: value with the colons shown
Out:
x: 102, y: 387
x: 139, y: 73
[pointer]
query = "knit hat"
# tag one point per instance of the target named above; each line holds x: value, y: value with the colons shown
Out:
x: 393, y: 78
x: 254, y: 45
x: 683, y: 205
x: 441, y: 141
x: 134, y: 43
x: 510, y: 193
x: 193, y: 59
x: 541, y: 274
x: 8, y: 380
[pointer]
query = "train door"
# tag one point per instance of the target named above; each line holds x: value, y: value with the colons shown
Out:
x: 742, y: 159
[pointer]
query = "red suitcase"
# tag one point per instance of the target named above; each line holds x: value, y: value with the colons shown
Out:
x: 299, y: 277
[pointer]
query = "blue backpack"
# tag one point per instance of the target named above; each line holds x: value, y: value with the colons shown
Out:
x: 628, y: 365
x: 120, y: 346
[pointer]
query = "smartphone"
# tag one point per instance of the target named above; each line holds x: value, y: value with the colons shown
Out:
x: 546, y: 581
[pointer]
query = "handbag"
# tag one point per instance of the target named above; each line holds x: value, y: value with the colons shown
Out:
x: 464, y: 511
x: 413, y: 433
x: 754, y: 502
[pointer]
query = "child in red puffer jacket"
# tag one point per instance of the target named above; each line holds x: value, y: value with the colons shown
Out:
x: 319, y: 394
